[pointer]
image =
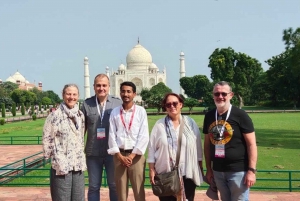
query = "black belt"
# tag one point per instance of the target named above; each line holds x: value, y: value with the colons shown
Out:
x: 126, y: 151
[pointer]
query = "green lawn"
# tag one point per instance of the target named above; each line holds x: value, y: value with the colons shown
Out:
x: 278, y: 140
x: 278, y: 136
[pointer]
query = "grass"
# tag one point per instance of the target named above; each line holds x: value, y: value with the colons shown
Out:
x: 25, y: 128
x: 278, y: 139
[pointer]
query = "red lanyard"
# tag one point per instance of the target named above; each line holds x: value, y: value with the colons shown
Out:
x: 131, y: 119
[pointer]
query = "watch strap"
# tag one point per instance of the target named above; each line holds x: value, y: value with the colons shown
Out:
x: 252, y: 170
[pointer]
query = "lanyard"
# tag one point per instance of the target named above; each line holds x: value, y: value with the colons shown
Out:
x: 223, y: 126
x: 103, y: 110
x: 131, y: 119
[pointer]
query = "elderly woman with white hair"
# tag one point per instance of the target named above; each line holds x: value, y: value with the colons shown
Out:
x: 63, y: 142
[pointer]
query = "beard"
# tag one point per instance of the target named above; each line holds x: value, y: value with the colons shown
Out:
x: 220, y: 103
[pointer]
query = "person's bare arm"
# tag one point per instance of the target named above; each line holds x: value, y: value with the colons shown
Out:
x: 152, y: 172
x: 250, y: 139
x: 209, y: 172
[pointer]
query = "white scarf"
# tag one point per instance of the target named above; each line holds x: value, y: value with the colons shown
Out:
x: 72, y: 114
x: 192, y: 168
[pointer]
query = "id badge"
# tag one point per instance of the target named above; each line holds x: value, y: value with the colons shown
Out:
x: 220, y: 150
x: 100, y: 133
x: 128, y: 143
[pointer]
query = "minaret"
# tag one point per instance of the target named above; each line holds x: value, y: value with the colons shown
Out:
x: 182, y: 70
x: 107, y: 71
x: 87, y: 92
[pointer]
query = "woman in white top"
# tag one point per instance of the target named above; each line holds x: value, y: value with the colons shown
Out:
x: 63, y: 142
x: 163, y: 145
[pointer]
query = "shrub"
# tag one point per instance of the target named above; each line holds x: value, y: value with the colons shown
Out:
x: 33, y: 117
x: 13, y: 109
x: 32, y: 109
x: 3, y: 109
x: 2, y: 121
x: 22, y: 109
x: 27, y: 106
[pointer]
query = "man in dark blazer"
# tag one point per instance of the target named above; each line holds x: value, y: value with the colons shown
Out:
x: 97, y: 111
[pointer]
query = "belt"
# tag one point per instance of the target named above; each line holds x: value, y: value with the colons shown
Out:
x: 126, y: 151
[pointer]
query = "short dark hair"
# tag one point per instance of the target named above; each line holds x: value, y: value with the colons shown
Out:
x: 130, y: 84
x: 164, y: 100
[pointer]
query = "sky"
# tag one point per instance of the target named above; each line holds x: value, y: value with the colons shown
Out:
x: 47, y: 40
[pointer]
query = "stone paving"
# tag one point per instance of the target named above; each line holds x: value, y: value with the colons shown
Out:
x: 12, y: 153
x: 43, y: 194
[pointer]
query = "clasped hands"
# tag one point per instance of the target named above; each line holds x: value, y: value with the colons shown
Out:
x: 126, y: 160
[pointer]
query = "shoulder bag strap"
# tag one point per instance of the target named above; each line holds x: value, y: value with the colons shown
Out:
x: 179, y: 141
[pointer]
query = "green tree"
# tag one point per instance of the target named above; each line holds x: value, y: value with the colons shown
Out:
x: 157, y: 94
x: 2, y: 92
x: 190, y: 103
x: 7, y: 88
x: 13, y: 109
x: 27, y: 106
x: 6, y: 100
x: 31, y: 110
x: 53, y: 96
x: 39, y: 94
x: 46, y: 101
x: 198, y: 87
x: 155, y: 101
x: 3, y: 110
x: 239, y: 69
x: 145, y: 94
x: 30, y: 97
x: 284, y: 84
x: 160, y: 88
x: 18, y: 96
x: 262, y: 90
x: 23, y: 96
x: 291, y: 39
x: 22, y: 109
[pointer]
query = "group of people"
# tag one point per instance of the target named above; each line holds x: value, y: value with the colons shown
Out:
x: 118, y: 137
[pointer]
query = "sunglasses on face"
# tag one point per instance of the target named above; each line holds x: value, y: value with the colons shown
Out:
x: 168, y: 105
x: 224, y: 94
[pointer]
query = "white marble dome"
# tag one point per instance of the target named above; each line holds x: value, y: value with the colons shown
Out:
x: 153, y: 66
x: 17, y: 76
x: 138, y: 58
x: 10, y: 79
x: 122, y: 67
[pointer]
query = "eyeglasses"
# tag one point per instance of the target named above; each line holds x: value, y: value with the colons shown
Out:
x: 224, y: 94
x: 168, y: 105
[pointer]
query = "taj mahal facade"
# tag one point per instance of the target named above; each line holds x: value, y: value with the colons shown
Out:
x: 139, y: 69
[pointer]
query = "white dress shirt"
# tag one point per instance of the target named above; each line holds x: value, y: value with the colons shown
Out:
x: 138, y: 133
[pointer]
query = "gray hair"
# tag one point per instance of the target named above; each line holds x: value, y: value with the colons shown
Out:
x: 223, y: 83
x: 69, y: 85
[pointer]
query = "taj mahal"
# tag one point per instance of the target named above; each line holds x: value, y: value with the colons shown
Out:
x: 139, y: 69
x: 22, y: 83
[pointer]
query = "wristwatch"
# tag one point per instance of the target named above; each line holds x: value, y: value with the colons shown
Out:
x: 252, y: 170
